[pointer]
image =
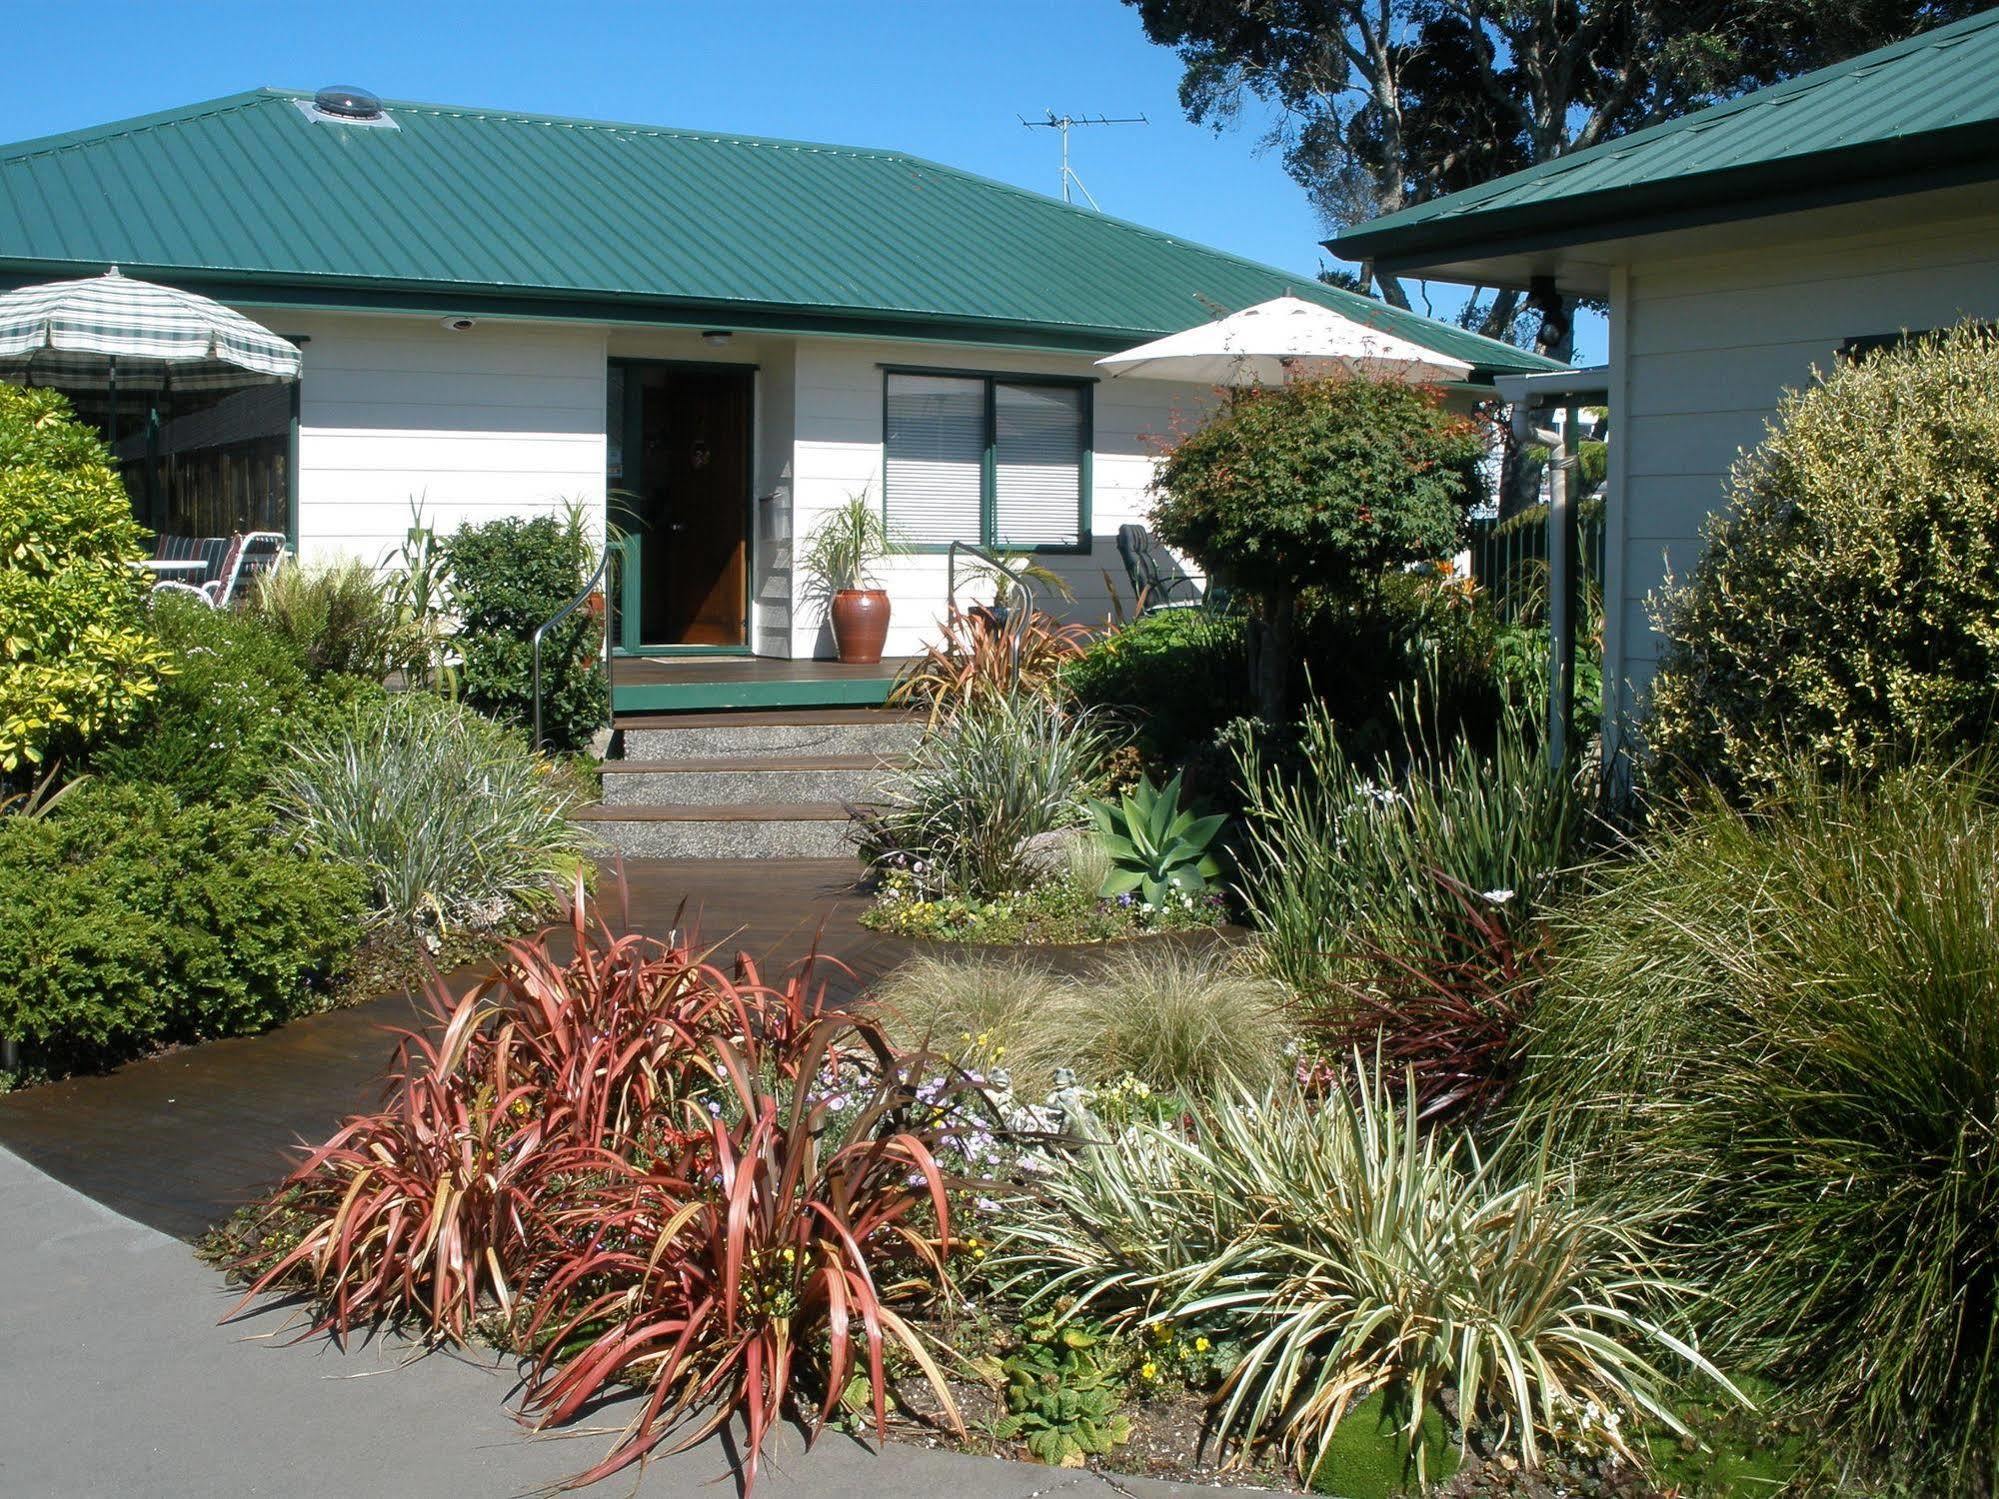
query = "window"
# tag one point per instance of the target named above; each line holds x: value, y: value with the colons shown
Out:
x: 993, y: 459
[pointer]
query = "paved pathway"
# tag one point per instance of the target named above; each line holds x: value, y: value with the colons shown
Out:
x: 116, y: 1380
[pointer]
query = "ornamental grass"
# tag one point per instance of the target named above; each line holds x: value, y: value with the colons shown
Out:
x: 1781, y: 1027
x: 1350, y: 1251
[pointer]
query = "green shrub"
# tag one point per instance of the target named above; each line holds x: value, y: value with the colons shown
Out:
x: 75, y: 659
x: 453, y: 822
x: 1326, y: 484
x: 1422, y: 645
x: 338, y: 619
x: 128, y: 921
x: 978, y: 788
x: 1349, y: 1253
x: 239, y: 701
x: 1181, y: 676
x: 1342, y: 860
x: 509, y: 577
x: 1177, y: 675
x: 1783, y: 1025
x: 1846, y: 606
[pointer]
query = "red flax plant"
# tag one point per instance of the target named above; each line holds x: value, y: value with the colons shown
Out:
x: 766, y: 1260
x: 530, y: 1091
x: 1449, y: 1013
x: 985, y: 653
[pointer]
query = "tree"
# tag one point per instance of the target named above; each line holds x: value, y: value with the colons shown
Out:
x: 1384, y: 104
x: 1323, y: 484
x: 76, y: 660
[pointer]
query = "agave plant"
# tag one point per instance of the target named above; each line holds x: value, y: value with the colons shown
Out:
x: 1157, y: 848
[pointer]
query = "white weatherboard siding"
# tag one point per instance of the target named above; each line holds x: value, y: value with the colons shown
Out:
x: 501, y: 419
x: 838, y: 452
x: 1702, y: 350
x: 508, y: 418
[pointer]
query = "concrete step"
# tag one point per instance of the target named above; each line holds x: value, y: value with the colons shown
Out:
x: 734, y: 830
x: 727, y: 779
x: 768, y: 733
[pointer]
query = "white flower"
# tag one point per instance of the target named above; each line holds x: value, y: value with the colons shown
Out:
x: 1497, y: 897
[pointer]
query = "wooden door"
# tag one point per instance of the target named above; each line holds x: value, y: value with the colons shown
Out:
x: 695, y: 553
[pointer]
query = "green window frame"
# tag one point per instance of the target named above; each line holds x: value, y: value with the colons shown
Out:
x: 1001, y: 428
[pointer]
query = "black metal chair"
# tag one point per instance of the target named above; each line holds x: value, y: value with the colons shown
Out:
x: 1153, y: 586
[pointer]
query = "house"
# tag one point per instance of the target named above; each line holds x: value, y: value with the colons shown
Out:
x: 503, y: 313
x: 1739, y: 248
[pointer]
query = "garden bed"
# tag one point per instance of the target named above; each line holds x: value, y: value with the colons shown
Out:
x: 1059, y: 914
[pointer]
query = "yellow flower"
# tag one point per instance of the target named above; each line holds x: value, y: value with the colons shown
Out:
x: 1148, y: 1370
x: 1200, y: 1345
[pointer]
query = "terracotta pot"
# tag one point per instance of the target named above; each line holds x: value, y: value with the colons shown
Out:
x: 860, y: 624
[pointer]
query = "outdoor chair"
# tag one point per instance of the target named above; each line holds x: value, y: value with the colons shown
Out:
x: 1152, y: 585
x: 211, y: 550
x: 250, y: 555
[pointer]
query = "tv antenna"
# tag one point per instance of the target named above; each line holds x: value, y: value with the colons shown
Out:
x: 1063, y: 124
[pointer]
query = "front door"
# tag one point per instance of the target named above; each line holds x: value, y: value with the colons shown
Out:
x: 692, y: 504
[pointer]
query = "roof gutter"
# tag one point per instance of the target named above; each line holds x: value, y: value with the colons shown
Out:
x: 1957, y: 157
x: 298, y: 293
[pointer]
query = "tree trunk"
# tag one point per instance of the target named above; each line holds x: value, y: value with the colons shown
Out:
x: 1276, y: 641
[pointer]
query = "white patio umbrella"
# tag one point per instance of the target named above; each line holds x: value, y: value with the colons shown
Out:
x: 111, y: 330
x: 1279, y: 340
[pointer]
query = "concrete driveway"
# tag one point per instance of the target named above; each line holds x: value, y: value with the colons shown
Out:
x: 116, y: 1379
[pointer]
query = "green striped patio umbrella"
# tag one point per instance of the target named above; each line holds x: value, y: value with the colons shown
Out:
x: 111, y: 330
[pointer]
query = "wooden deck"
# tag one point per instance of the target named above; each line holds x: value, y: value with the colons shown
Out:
x: 707, y: 683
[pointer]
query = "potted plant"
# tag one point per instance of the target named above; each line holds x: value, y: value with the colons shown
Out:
x: 837, y: 565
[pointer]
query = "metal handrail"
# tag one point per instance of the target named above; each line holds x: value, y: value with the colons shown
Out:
x: 581, y: 598
x: 1020, y: 585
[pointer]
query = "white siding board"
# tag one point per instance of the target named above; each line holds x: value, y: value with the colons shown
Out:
x: 503, y: 419
x: 1702, y: 350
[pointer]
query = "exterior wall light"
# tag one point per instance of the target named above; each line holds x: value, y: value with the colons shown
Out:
x: 717, y: 338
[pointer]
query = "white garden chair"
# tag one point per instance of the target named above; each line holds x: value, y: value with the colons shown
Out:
x: 251, y: 554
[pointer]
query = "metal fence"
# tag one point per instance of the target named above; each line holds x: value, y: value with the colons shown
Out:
x: 1509, y: 559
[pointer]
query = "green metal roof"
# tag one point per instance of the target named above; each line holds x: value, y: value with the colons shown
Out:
x: 489, y: 210
x: 1916, y: 114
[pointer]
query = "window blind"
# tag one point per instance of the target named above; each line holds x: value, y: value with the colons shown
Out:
x: 934, y: 454
x: 1037, y: 465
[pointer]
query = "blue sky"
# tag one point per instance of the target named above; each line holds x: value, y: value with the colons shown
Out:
x: 944, y: 79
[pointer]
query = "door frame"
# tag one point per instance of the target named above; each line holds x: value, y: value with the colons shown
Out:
x: 631, y: 582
